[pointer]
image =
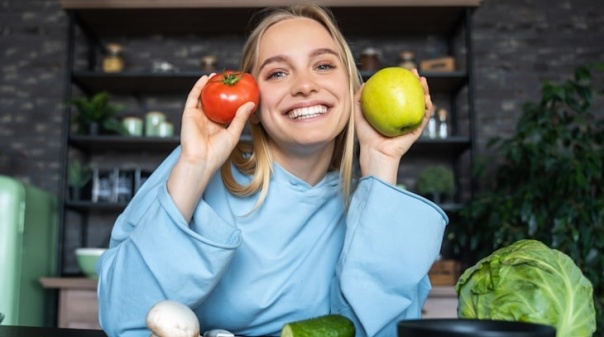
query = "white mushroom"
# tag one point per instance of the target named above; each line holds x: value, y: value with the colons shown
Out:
x: 172, y: 319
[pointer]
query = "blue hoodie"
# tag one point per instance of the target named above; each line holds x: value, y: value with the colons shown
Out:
x: 301, y: 254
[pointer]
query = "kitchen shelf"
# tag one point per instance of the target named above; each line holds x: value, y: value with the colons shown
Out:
x: 93, y: 23
x: 137, y: 18
x: 95, y: 206
x: 444, y: 82
x: 149, y: 83
x: 123, y: 143
x: 448, y: 148
x: 128, y: 83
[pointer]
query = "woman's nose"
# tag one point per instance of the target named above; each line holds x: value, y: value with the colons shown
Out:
x: 304, y: 84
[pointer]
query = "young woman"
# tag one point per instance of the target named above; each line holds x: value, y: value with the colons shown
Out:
x: 252, y: 237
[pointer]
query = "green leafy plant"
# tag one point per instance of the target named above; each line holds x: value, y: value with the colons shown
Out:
x: 548, y: 184
x: 78, y: 174
x: 435, y: 180
x: 96, y: 110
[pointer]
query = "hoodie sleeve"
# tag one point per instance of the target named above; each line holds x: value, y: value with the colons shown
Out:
x: 393, y: 238
x: 155, y: 255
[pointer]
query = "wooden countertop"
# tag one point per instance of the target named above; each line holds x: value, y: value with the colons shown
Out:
x: 68, y: 283
x: 443, y: 291
x: 86, y: 283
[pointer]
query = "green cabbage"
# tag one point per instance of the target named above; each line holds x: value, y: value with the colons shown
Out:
x: 529, y: 282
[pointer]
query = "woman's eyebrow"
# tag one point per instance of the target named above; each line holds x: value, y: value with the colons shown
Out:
x: 283, y: 58
x: 322, y: 51
x: 273, y: 59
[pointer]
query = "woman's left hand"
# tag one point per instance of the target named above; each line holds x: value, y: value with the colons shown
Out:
x: 380, y: 155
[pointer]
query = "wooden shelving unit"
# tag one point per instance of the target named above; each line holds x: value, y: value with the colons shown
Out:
x: 102, y: 20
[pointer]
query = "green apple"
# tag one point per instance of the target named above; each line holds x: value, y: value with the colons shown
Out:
x: 393, y: 101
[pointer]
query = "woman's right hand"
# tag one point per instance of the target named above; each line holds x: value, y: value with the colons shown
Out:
x: 205, y: 146
x: 204, y: 141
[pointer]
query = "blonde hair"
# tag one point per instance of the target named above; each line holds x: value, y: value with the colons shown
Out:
x: 255, y: 159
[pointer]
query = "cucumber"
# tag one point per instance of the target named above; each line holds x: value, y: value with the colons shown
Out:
x: 323, y: 326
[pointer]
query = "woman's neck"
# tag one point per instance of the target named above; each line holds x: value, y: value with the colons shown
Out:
x: 310, y: 166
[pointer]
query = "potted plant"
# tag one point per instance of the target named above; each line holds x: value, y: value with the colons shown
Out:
x: 78, y: 176
x: 96, y: 115
x: 548, y: 184
x: 436, y: 183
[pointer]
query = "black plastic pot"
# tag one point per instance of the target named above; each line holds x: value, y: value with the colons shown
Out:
x: 472, y: 328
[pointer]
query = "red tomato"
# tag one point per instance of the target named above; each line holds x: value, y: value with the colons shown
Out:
x: 226, y: 92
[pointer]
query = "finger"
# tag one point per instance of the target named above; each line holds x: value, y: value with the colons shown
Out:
x: 427, y: 97
x: 358, y: 108
x: 241, y: 117
x: 422, y: 80
x: 193, y: 97
x: 424, y: 83
x: 428, y: 103
x: 427, y: 115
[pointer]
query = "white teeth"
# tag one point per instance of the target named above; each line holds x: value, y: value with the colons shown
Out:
x: 307, y: 112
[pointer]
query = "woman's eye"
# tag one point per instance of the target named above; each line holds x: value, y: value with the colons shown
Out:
x: 325, y: 66
x: 275, y: 74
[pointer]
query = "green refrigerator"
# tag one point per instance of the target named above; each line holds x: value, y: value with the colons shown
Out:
x: 28, y: 237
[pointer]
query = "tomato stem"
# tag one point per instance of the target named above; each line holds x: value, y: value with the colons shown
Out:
x: 231, y: 79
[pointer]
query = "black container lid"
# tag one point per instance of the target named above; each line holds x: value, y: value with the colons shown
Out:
x: 472, y: 328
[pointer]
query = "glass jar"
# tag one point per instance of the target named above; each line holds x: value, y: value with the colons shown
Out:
x: 152, y: 121
x: 208, y: 63
x: 443, y: 130
x: 165, y: 129
x: 406, y: 59
x: 133, y: 125
x: 370, y: 59
x: 113, y: 61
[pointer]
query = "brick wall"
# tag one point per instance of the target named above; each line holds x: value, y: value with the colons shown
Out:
x: 32, y: 58
x: 520, y: 43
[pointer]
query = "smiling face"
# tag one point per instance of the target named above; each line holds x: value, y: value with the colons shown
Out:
x: 304, y: 88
